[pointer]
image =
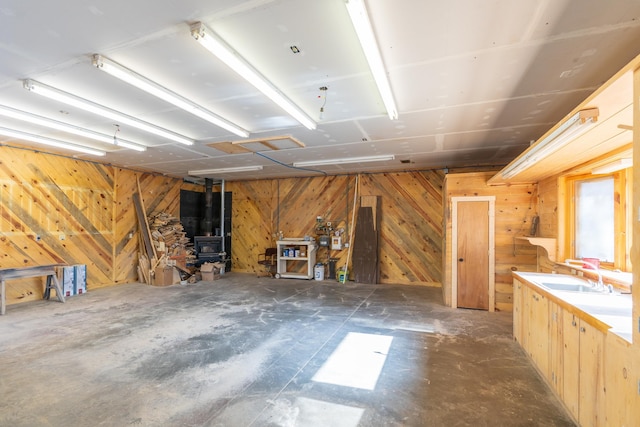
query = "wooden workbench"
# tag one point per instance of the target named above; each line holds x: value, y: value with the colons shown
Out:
x: 34, y: 271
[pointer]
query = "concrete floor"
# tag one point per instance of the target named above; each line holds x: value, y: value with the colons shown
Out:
x: 243, y: 351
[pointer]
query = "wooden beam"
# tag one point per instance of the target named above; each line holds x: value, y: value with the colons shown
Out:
x: 229, y: 148
x: 265, y: 141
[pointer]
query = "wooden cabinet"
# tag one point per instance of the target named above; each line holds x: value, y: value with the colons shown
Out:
x: 517, y: 310
x: 532, y: 325
x: 539, y: 331
x: 570, y: 362
x: 582, y: 373
x: 566, y: 350
x: 622, y: 403
x: 535, y: 328
x: 556, y: 347
x: 591, y: 404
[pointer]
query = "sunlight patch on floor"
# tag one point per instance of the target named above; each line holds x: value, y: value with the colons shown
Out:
x: 356, y: 362
x: 314, y: 412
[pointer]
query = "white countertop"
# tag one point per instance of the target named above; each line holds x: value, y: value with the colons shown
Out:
x: 613, y: 309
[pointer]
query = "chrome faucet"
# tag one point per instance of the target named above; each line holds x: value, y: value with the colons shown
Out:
x: 600, y: 284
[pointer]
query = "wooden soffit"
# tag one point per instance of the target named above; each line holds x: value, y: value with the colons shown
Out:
x: 611, y: 133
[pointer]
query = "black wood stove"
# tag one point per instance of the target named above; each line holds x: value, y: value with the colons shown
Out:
x: 208, y: 249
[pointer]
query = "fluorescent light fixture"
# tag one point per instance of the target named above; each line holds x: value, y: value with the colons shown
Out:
x: 360, y: 19
x: 65, y: 127
x: 49, y: 141
x: 100, y: 110
x: 217, y: 46
x: 576, y: 125
x: 135, y: 79
x: 345, y: 160
x: 225, y: 170
x: 613, y: 166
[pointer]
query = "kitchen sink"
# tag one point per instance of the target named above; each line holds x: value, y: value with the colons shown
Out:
x: 571, y: 287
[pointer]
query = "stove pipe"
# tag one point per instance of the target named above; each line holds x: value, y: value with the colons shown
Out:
x: 207, y: 224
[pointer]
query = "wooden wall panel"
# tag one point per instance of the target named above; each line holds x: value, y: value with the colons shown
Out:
x: 548, y: 207
x: 68, y: 203
x: 411, y: 206
x: 159, y: 194
x: 411, y: 228
x: 515, y: 207
x: 82, y: 212
x: 253, y: 222
x: 126, y: 239
x: 263, y: 208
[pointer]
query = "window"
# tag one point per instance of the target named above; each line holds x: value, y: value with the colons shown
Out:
x: 598, y: 218
x: 594, y: 219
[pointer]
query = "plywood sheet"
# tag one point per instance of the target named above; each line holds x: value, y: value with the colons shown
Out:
x: 365, y: 248
x: 229, y: 148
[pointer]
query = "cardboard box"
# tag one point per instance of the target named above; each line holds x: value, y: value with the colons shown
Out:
x: 80, y: 280
x: 208, y: 271
x: 163, y: 276
x: 68, y: 280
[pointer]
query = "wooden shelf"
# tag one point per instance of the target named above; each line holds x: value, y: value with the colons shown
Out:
x: 309, y: 259
x: 547, y: 243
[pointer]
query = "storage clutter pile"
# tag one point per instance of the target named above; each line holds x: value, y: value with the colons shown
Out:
x: 171, y: 248
x: 174, y: 255
x: 170, y: 239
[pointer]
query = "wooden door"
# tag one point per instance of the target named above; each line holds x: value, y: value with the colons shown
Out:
x: 473, y: 254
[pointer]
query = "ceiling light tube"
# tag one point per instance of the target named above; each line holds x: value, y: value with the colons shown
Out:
x: 49, y: 141
x: 346, y: 160
x: 576, y: 125
x: 360, y: 19
x: 100, y: 110
x: 218, y: 47
x: 225, y: 170
x: 131, y: 77
x: 65, y: 127
x: 614, y: 166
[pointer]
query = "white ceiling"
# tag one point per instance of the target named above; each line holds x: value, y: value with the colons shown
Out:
x: 474, y: 81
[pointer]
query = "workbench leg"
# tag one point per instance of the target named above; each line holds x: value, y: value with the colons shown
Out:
x: 2, y: 297
x: 58, y: 288
x: 47, y: 289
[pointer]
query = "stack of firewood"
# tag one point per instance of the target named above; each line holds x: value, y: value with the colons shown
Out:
x: 169, y: 237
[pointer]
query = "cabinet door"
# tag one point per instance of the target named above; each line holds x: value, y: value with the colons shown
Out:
x: 525, y: 326
x: 539, y: 332
x: 591, y: 408
x: 555, y: 347
x: 620, y: 383
x: 571, y: 362
x: 517, y: 311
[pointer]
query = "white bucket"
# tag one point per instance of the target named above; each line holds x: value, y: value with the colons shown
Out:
x: 318, y: 272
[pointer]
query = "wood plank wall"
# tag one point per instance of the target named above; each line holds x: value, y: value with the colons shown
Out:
x: 548, y: 206
x: 261, y: 209
x: 159, y: 194
x: 83, y: 214
x: 411, y: 219
x: 411, y: 229
x: 81, y: 211
x: 515, y: 207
